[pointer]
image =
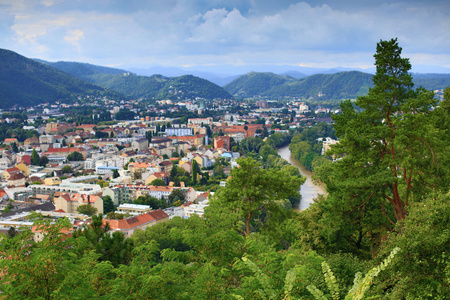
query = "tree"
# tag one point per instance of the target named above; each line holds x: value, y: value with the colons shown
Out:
x: 390, y: 147
x: 158, y: 182
x: 176, y: 195
x: 34, y: 157
x: 38, y: 268
x: 87, y: 209
x: 67, y: 169
x: 421, y: 271
x: 195, y: 171
x: 116, y: 173
x: 43, y: 161
x: 252, y: 193
x: 14, y: 148
x: 108, y: 205
x: 75, y: 156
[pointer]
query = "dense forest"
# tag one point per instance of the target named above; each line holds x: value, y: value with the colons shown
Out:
x: 381, y: 233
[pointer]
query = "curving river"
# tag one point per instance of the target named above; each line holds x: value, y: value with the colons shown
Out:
x: 308, y: 190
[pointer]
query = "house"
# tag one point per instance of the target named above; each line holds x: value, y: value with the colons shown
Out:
x: 66, y: 151
x: 46, y: 139
x: 200, y: 121
x: 134, y: 208
x: 158, y: 175
x: 52, y: 181
x: 166, y: 166
x: 140, y: 144
x: 138, y: 167
x: 70, y: 202
x: 10, y: 172
x: 5, y: 163
x: 26, y: 159
x: 129, y: 225
x: 16, y: 180
x: 9, y: 141
x: 186, y: 165
x: 199, y: 160
x: 222, y: 142
x: 159, y: 215
x: 24, y: 168
x: 30, y: 142
x: 160, y: 142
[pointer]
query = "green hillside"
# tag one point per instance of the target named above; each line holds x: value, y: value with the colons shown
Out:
x: 343, y: 85
x: 160, y: 87
x: 25, y: 82
x: 155, y: 86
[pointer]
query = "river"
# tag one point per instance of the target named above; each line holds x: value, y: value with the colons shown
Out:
x: 308, y: 190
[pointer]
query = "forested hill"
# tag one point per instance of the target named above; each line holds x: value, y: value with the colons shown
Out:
x: 26, y: 82
x: 160, y: 87
x: 342, y: 85
x: 156, y: 86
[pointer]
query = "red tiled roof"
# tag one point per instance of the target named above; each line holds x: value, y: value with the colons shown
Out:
x: 158, y: 214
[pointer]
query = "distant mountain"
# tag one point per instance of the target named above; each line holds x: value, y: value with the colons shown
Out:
x: 294, y: 74
x: 332, y: 86
x: 155, y: 86
x: 342, y: 85
x: 160, y: 87
x: 25, y: 82
x: 81, y: 70
x: 217, y: 78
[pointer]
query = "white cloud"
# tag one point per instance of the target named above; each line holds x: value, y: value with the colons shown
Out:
x: 199, y: 32
x: 74, y: 37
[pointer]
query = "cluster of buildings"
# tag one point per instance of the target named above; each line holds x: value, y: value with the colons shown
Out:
x: 127, y: 156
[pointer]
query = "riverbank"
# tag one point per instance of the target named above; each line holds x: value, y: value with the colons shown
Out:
x: 309, y: 190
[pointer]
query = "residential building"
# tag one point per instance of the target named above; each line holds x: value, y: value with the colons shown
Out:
x: 70, y: 202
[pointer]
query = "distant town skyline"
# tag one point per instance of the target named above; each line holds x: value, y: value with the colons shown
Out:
x: 202, y: 33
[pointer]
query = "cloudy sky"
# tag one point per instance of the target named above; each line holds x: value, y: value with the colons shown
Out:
x: 144, y: 33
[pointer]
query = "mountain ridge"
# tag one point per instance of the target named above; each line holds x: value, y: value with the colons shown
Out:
x: 26, y: 82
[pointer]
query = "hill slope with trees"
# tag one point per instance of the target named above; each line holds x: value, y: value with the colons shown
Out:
x: 26, y: 82
x: 155, y: 86
x: 337, y: 86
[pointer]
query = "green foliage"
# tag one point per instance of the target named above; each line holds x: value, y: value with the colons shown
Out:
x: 176, y: 195
x: 337, y: 86
x: 43, y: 161
x: 305, y: 147
x: 67, y: 169
x: 37, y: 268
x: 26, y: 82
x: 392, y: 142
x: 152, y: 201
x: 252, y: 193
x: 108, y: 205
x: 75, y: 156
x: 158, y: 182
x: 34, y: 157
x: 422, y: 269
x: 360, y: 286
x: 87, y: 209
x: 158, y: 86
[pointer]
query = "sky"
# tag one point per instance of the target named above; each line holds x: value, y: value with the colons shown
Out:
x: 195, y: 33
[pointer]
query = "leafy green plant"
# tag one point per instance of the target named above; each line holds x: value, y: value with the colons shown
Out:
x: 360, y: 285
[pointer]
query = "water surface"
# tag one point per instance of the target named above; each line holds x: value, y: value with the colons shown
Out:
x: 309, y: 190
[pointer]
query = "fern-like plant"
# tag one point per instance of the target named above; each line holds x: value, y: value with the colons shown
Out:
x: 360, y: 285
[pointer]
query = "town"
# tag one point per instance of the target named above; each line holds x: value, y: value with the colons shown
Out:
x: 77, y: 160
